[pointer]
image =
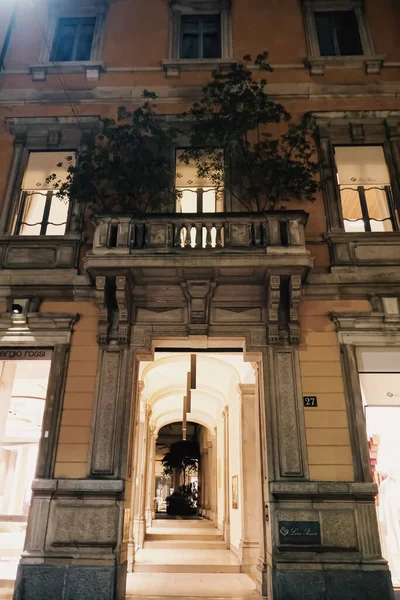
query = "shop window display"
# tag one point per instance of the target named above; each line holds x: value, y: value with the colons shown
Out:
x: 381, y: 397
x: 23, y: 388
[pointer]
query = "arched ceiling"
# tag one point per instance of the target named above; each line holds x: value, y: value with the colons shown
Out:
x: 218, y: 376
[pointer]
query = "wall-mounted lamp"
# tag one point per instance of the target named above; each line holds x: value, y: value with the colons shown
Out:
x: 16, y: 309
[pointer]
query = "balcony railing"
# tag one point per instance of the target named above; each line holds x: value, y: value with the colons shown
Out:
x: 218, y: 232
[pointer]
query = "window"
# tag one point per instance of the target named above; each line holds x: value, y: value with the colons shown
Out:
x: 73, y: 40
x: 40, y: 212
x: 197, y: 195
x: 338, y: 33
x: 200, y: 36
x: 365, y: 188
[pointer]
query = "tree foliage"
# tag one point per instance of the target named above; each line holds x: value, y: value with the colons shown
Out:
x: 127, y: 167
x: 233, y: 147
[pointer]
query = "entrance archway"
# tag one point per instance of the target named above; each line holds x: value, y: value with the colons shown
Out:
x: 224, y: 412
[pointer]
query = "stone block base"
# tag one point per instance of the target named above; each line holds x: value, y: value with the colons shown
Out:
x: 69, y: 582
x: 332, y: 585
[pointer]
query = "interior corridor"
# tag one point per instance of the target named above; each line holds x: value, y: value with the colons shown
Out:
x: 210, y: 546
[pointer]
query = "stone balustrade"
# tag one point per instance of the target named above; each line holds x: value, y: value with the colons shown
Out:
x: 203, y: 233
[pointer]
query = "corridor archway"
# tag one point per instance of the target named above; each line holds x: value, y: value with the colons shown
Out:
x: 223, y: 420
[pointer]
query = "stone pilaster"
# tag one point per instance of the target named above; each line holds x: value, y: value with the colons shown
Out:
x: 212, y: 477
x: 151, y: 477
x: 226, y: 521
x: 251, y: 480
x: 137, y: 475
x: 140, y: 517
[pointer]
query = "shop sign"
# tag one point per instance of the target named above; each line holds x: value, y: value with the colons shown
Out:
x: 300, y: 533
x: 25, y: 354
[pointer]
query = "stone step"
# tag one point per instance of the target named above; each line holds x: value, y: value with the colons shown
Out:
x: 174, y: 586
x: 185, y: 523
x: 184, y: 544
x: 186, y: 561
x: 186, y: 534
x: 183, y: 537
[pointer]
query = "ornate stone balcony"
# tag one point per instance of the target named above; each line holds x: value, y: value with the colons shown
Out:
x: 273, y: 240
x: 39, y: 252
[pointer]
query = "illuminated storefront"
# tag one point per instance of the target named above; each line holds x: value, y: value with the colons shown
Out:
x: 23, y: 388
x: 380, y: 384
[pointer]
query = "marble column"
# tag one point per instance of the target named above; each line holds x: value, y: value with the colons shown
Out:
x: 136, y: 477
x: 150, y: 491
x: 140, y: 521
x: 212, y: 465
x: 205, y: 482
x: 226, y: 520
x: 251, y: 480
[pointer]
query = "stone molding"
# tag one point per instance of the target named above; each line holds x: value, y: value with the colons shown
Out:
x: 323, y: 489
x: 73, y: 486
x: 318, y: 63
x: 50, y: 329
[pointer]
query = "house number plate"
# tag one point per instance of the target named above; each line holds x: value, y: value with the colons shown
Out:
x: 310, y: 401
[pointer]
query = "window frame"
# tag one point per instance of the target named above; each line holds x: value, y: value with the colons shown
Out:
x: 42, y: 134
x: 73, y: 9
x: 80, y: 21
x: 220, y: 200
x: 190, y: 7
x: 347, y: 129
x: 319, y: 63
x: 333, y: 29
x: 200, y: 35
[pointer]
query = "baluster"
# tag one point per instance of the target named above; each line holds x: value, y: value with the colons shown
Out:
x: 188, y: 239
x: 145, y: 236
x: 177, y: 232
x: 218, y: 236
x: 208, y: 240
x: 132, y: 235
x: 252, y: 234
x: 264, y: 234
x: 199, y: 235
x: 257, y: 234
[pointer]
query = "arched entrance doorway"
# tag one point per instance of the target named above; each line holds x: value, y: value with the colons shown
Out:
x: 223, y: 421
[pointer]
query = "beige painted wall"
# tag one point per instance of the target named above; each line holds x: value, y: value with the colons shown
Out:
x: 328, y: 440
x: 76, y: 417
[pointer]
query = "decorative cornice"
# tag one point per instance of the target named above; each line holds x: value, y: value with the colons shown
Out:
x: 37, y: 329
x: 377, y: 328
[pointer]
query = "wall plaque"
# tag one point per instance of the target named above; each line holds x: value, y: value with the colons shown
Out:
x: 310, y: 401
x: 300, y: 532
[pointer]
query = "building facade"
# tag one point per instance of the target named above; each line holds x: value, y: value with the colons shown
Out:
x: 296, y: 330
